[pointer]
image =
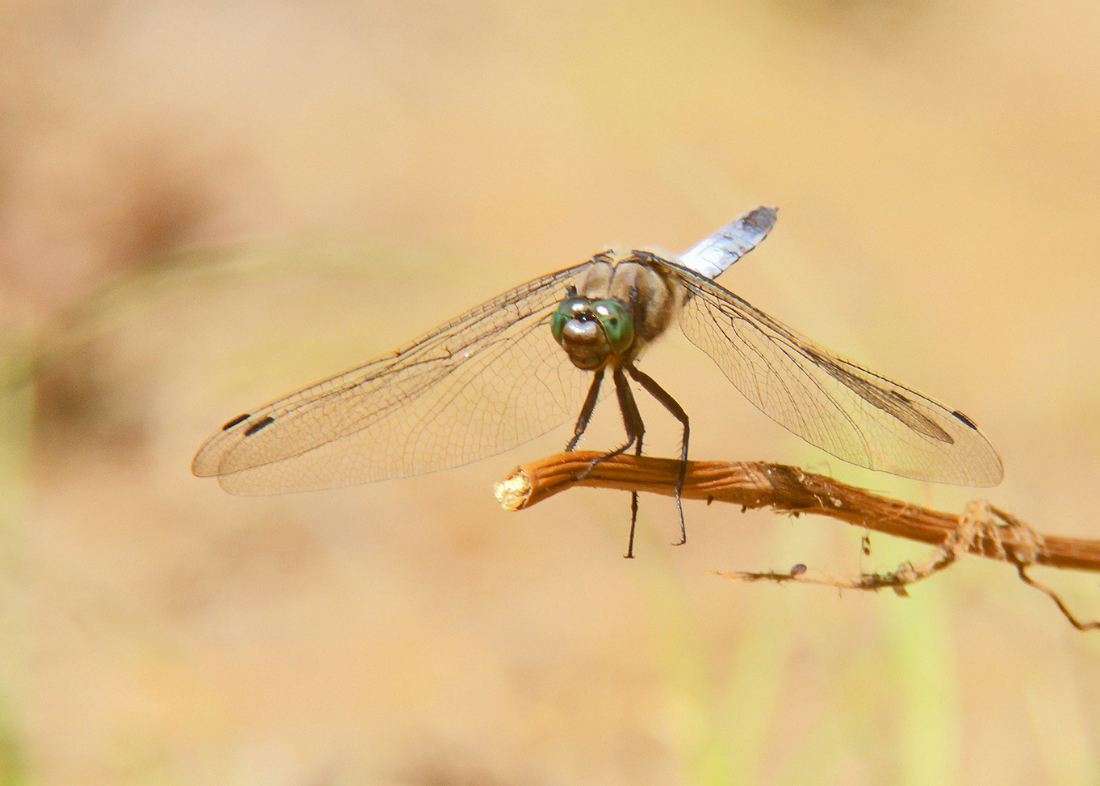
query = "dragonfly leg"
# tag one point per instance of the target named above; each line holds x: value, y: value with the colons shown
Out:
x: 586, y: 410
x: 632, y: 421
x: 635, y: 429
x: 677, y: 411
x: 634, y: 496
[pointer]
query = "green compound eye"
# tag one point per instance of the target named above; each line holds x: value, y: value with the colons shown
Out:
x: 617, y: 325
x: 567, y: 309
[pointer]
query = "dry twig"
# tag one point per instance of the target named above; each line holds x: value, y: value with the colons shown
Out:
x: 981, y: 529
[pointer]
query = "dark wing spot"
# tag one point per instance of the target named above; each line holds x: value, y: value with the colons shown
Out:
x: 900, y: 397
x: 259, y: 424
x: 235, y: 421
x: 965, y: 419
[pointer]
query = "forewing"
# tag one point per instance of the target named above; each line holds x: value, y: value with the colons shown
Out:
x: 473, y: 387
x: 831, y: 402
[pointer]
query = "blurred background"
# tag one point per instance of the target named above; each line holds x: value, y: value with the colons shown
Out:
x: 204, y: 206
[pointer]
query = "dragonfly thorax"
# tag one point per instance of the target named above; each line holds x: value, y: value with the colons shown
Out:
x: 618, y: 307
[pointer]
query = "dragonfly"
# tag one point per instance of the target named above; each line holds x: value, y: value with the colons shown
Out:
x: 537, y: 356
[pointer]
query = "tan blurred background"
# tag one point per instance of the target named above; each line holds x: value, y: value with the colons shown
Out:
x: 206, y: 205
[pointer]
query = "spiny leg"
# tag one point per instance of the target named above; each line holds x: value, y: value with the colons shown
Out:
x: 677, y: 411
x: 635, y: 428
x: 632, y: 421
x: 586, y: 410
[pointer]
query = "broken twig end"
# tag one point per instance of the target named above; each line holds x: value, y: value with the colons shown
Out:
x: 514, y: 492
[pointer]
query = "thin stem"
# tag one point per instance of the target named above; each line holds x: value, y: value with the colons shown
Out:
x: 791, y: 490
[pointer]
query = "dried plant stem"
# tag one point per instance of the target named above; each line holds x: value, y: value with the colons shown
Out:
x: 992, y: 533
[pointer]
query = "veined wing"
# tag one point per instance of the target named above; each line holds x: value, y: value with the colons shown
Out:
x: 476, y: 386
x: 831, y: 402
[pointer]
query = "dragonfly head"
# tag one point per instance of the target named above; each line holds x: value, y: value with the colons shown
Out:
x: 590, y: 330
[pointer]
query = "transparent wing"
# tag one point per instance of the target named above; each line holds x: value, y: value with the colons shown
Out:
x: 473, y: 387
x: 831, y: 402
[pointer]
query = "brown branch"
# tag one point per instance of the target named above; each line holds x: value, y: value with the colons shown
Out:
x: 989, y: 532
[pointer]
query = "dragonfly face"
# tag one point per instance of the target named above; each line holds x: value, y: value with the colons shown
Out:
x: 618, y: 308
